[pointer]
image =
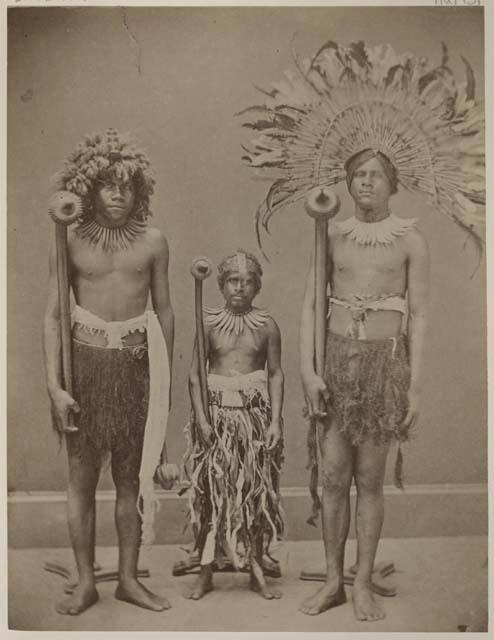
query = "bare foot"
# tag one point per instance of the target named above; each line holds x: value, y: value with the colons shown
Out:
x: 258, y: 583
x: 364, y: 605
x: 81, y: 599
x: 203, y: 585
x: 263, y: 589
x: 332, y: 594
x: 134, y: 592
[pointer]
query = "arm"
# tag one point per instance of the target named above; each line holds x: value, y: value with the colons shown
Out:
x: 418, y: 303
x: 62, y: 401
x: 160, y: 292
x: 314, y: 387
x: 275, y: 383
x: 307, y: 327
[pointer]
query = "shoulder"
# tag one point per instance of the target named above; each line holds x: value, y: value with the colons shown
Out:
x: 416, y: 244
x: 75, y: 244
x: 335, y: 234
x: 271, y: 327
x: 334, y: 230
x: 268, y: 328
x: 157, y: 242
x: 72, y: 235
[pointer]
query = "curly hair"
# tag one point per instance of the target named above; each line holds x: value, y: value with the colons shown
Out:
x: 102, y: 158
x: 231, y: 263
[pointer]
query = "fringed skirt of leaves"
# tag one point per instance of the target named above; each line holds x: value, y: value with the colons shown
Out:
x: 233, y: 498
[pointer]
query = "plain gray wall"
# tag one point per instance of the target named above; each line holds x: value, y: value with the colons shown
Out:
x: 175, y: 77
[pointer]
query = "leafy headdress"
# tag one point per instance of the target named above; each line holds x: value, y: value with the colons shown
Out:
x: 106, y: 158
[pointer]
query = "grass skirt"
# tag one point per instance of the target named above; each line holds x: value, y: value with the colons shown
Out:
x: 111, y: 387
x: 368, y: 382
x: 233, y: 498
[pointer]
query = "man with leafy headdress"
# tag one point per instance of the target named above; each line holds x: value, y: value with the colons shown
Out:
x: 375, y: 119
x: 121, y: 354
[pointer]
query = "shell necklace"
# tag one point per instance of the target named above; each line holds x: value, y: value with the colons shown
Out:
x: 234, y: 323
x: 374, y: 233
x: 110, y: 238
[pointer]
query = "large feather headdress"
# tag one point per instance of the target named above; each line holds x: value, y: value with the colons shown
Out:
x: 354, y: 97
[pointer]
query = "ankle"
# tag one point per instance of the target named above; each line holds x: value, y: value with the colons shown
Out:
x: 334, y: 581
x: 127, y: 580
x: 86, y: 586
x: 362, y: 581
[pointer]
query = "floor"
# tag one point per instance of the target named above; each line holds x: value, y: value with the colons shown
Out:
x: 439, y: 581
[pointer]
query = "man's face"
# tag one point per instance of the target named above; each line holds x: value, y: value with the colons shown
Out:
x: 114, y: 202
x: 370, y: 187
x: 239, y: 291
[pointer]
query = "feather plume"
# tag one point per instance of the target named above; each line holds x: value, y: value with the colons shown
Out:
x: 347, y: 98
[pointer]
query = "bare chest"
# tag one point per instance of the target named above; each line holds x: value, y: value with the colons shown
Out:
x: 91, y: 263
x: 368, y: 268
x: 249, y: 344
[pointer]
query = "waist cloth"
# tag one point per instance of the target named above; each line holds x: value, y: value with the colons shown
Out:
x: 367, y: 382
x: 234, y: 496
x: 360, y: 305
x: 124, y: 398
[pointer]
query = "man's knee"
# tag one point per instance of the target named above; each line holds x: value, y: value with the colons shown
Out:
x: 125, y: 468
x: 369, y: 482
x: 83, y: 475
x: 126, y: 483
x: 336, y: 479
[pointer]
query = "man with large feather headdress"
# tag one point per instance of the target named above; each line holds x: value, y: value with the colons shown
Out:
x: 380, y: 121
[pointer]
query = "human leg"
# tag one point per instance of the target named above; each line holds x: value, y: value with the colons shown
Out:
x: 370, y: 466
x: 201, y: 507
x: 203, y: 584
x: 83, y: 479
x: 337, y: 468
x: 128, y: 523
x: 257, y: 581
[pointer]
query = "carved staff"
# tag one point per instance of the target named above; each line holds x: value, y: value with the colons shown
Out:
x: 64, y: 209
x: 201, y: 269
x: 321, y: 204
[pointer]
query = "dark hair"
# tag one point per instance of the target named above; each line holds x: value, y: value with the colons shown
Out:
x: 108, y: 156
x: 227, y: 266
x: 358, y: 159
x: 140, y: 210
